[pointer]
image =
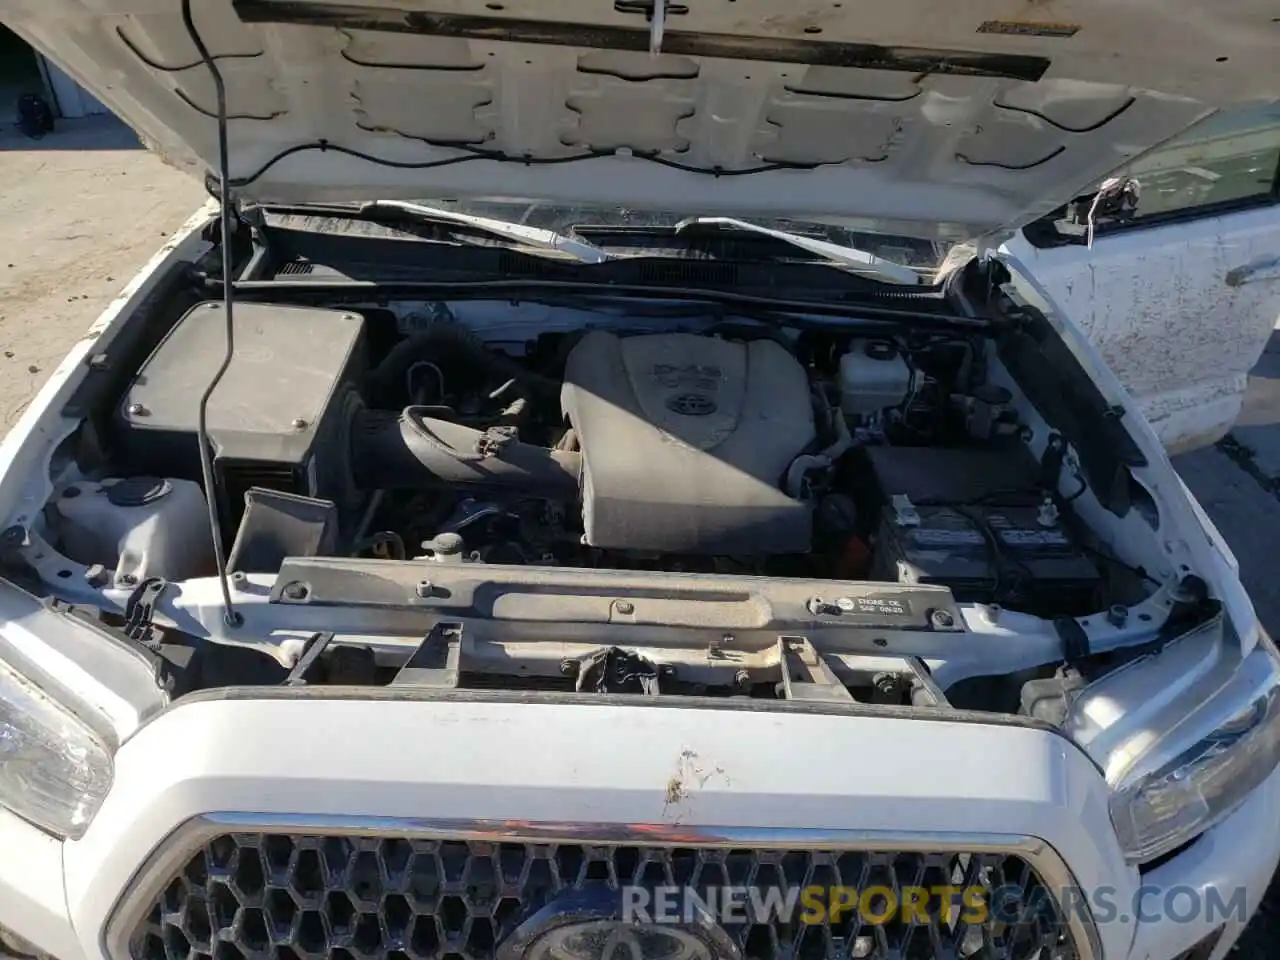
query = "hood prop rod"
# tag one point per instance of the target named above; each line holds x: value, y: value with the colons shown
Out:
x: 231, y: 617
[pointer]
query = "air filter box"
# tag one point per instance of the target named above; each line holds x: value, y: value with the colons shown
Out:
x: 277, y: 418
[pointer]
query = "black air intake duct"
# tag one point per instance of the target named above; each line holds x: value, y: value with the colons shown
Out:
x: 408, y: 451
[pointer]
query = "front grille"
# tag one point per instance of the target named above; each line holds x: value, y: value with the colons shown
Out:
x: 295, y: 896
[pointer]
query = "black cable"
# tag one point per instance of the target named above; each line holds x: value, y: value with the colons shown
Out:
x: 1110, y: 558
x: 474, y: 153
x: 1084, y: 485
x: 993, y: 544
x: 164, y: 68
x: 231, y: 616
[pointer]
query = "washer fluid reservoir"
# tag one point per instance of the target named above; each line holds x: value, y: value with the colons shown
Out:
x: 139, y: 526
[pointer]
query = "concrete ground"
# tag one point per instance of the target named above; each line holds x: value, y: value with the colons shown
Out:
x: 83, y: 209
x: 80, y: 212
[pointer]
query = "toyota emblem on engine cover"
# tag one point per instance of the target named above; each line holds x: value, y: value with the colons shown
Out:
x: 690, y: 405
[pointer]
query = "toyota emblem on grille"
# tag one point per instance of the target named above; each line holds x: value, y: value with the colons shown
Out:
x: 691, y: 404
x: 589, y: 924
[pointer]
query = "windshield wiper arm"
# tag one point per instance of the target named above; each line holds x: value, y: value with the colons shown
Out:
x: 528, y: 236
x: 854, y: 260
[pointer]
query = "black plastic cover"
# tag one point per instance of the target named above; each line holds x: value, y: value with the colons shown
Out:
x: 278, y: 525
x: 278, y: 403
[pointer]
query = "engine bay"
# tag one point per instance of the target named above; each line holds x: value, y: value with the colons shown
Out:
x: 729, y: 449
x: 619, y: 494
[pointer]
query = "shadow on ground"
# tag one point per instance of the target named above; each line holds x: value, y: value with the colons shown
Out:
x: 1237, y: 481
x: 92, y: 133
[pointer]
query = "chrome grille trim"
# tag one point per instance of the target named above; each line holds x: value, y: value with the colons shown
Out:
x: 171, y: 856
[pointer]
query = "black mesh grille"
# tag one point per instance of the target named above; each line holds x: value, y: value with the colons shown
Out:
x: 292, y: 897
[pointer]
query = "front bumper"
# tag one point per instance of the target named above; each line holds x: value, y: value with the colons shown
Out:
x: 675, y: 770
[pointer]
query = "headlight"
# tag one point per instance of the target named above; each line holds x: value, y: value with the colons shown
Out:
x: 54, y: 770
x: 1201, y: 770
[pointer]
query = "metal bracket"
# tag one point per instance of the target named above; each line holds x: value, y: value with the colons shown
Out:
x: 657, y: 23
x: 923, y: 686
x: 317, y: 645
x: 645, y: 8
x: 806, y: 675
x: 436, y: 661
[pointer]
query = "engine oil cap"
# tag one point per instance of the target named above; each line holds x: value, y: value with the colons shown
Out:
x: 137, y: 491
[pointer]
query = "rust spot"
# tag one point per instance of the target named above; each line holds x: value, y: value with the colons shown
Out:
x: 675, y: 790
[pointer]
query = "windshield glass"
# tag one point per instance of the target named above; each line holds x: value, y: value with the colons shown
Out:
x: 913, y: 252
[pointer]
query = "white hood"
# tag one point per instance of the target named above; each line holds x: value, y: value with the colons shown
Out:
x: 948, y: 117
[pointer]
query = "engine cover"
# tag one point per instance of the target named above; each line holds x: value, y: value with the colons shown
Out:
x: 685, y: 440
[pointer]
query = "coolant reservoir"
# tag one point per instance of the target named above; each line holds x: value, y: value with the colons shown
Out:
x: 874, y: 375
x: 140, y: 526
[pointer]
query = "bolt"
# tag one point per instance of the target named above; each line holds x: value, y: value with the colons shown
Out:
x: 424, y: 589
x: 295, y: 590
x: 625, y: 607
x: 14, y: 536
x: 239, y: 580
x: 95, y: 575
x: 1190, y: 589
x: 299, y: 423
x: 569, y: 668
x: 942, y: 619
x: 137, y: 410
x: 1118, y: 615
x: 742, y: 679
x: 126, y: 579
x: 886, y: 684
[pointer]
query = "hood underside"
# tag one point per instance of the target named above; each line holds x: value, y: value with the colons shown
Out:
x: 947, y: 118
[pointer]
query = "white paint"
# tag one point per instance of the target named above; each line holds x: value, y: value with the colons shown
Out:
x: 1156, y: 303
x: 33, y: 902
x: 1186, y: 541
x: 531, y: 762
x: 947, y: 153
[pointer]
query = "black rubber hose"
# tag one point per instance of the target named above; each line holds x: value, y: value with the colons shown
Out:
x: 459, y: 343
x: 409, y: 451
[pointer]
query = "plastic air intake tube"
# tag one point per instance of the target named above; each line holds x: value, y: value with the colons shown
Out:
x: 409, y: 451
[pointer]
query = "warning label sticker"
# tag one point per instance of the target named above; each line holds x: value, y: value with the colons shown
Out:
x: 884, y: 606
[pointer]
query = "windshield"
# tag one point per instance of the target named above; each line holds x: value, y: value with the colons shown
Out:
x: 915, y: 252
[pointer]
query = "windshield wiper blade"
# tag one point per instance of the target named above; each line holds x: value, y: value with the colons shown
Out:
x: 578, y: 250
x: 852, y: 259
